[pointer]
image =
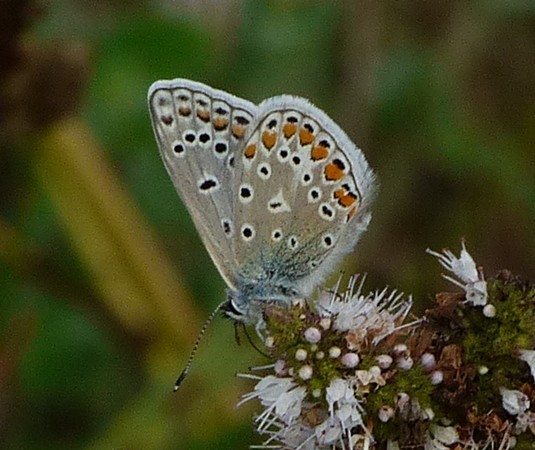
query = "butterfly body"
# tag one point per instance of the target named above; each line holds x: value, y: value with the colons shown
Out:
x: 277, y: 191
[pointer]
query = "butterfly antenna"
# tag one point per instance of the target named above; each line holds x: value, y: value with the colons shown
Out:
x: 208, y: 321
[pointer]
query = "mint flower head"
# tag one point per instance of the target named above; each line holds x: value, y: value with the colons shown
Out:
x: 327, y: 360
x: 350, y: 371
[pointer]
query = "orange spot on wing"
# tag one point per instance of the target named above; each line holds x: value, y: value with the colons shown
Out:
x: 351, y: 213
x: 269, y: 138
x: 184, y: 111
x: 305, y: 136
x: 333, y: 172
x: 220, y: 123
x: 339, y: 193
x: 289, y: 130
x: 319, y: 152
x: 250, y: 151
x: 203, y: 115
x: 344, y: 197
x: 347, y: 200
x: 238, y: 131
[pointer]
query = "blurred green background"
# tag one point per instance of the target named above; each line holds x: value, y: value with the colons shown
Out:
x: 103, y: 279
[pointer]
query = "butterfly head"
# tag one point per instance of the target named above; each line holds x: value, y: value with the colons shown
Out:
x: 247, y: 303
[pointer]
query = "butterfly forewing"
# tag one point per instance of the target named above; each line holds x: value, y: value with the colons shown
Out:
x: 199, y: 132
x: 302, y: 193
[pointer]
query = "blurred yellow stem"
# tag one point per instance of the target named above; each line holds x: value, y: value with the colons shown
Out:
x: 133, y: 275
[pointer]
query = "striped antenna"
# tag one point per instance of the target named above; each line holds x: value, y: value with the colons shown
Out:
x: 208, y: 321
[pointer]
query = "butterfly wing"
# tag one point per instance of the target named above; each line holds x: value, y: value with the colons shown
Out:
x: 199, y: 130
x: 303, y: 195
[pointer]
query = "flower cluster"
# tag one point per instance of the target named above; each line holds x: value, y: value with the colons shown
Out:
x: 327, y: 361
x: 348, y: 372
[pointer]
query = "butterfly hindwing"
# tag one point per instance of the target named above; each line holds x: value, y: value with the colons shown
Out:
x: 302, y: 194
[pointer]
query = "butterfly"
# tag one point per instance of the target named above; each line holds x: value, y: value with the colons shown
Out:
x: 277, y: 191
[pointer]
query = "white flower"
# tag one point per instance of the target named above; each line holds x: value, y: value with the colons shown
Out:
x: 440, y: 438
x: 328, y: 432
x: 295, y: 436
x: 464, y: 268
x: 428, y: 414
x: 529, y: 357
x: 284, y: 401
x: 378, y: 312
x: 344, y: 412
x: 281, y: 397
x: 372, y: 375
x: 514, y: 402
